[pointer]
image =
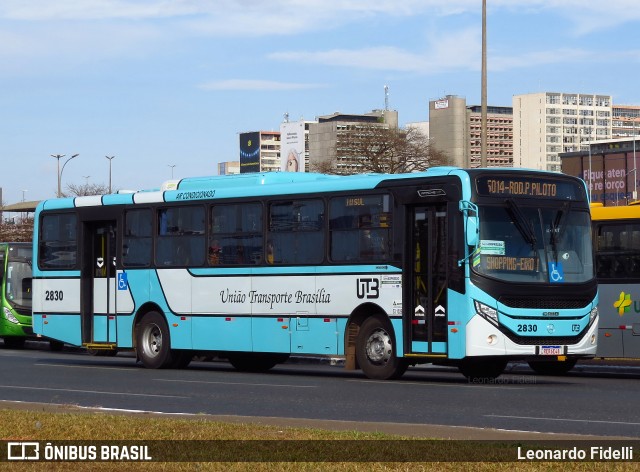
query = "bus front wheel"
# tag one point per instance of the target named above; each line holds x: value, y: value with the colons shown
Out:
x: 14, y: 342
x: 152, y: 341
x: 376, y: 350
x: 552, y: 367
x: 56, y: 346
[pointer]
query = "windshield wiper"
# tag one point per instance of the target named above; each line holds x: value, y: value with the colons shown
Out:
x: 525, y: 228
x: 557, y: 228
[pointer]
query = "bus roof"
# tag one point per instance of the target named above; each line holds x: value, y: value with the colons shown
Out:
x: 599, y: 212
x: 262, y: 184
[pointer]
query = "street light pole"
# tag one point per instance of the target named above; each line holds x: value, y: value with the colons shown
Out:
x: 635, y: 175
x: 110, y: 159
x: 590, y: 183
x: 172, y: 166
x: 483, y: 85
x: 58, y: 157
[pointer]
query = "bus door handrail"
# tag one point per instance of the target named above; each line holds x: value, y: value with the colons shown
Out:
x: 466, y: 207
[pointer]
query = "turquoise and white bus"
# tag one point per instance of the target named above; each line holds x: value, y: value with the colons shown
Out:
x: 469, y: 268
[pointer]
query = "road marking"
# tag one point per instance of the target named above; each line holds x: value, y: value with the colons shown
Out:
x: 45, y: 364
x: 562, y: 419
x: 236, y: 383
x: 426, y: 383
x: 99, y: 392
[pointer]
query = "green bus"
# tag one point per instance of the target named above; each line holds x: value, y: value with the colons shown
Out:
x: 15, y: 295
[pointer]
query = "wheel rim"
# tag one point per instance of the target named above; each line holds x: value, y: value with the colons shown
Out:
x: 379, y: 348
x: 152, y: 340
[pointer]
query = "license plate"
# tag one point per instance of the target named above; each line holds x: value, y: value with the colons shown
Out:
x: 551, y: 350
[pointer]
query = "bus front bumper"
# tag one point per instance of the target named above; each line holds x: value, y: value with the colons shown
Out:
x: 487, y: 340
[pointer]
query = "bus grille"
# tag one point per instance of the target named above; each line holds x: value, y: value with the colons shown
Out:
x: 544, y: 340
x: 540, y: 302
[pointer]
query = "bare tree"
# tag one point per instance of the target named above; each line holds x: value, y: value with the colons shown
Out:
x: 75, y: 190
x: 370, y: 148
x: 17, y: 229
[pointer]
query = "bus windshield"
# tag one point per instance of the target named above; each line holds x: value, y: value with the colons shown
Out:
x: 18, y: 278
x: 523, y: 243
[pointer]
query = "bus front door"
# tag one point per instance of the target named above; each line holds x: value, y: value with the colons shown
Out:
x: 99, y: 279
x: 427, y: 273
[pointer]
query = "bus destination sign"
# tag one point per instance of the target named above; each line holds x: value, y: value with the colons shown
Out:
x: 516, y: 264
x: 535, y: 187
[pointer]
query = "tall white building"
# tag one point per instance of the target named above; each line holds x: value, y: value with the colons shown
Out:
x: 548, y: 123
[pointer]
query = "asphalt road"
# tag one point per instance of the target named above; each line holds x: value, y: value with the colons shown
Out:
x: 595, y: 400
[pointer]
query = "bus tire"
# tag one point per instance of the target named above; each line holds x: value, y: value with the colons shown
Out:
x: 152, y: 341
x: 552, y: 367
x: 376, y: 350
x: 14, y: 342
x: 56, y: 346
x: 256, y: 362
x: 482, y: 370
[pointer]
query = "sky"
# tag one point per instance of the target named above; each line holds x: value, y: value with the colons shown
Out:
x: 166, y: 86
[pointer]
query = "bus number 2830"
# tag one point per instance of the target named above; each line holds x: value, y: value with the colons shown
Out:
x: 53, y: 295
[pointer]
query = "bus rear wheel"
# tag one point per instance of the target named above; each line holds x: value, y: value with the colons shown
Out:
x: 152, y: 341
x: 552, y: 367
x: 376, y: 350
x: 482, y: 370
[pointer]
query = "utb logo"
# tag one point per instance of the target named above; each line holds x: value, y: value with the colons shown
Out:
x: 623, y: 303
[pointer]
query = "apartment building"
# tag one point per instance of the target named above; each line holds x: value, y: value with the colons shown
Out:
x: 259, y: 151
x: 546, y: 124
x: 499, y: 136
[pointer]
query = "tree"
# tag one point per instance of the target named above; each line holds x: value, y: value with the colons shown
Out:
x: 370, y: 148
x: 76, y: 190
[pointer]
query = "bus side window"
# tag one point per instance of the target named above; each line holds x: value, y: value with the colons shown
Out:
x: 136, y: 248
x: 236, y: 234
x: 181, y: 239
x: 360, y: 228
x: 296, y: 230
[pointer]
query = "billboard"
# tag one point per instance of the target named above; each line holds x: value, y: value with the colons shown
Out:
x: 292, y: 146
x: 249, y: 152
x: 610, y: 177
x: 441, y: 104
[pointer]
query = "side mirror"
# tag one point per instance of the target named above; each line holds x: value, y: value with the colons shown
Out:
x: 472, y: 230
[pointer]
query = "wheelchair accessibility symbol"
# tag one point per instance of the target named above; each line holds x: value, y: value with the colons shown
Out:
x: 123, y: 283
x: 556, y: 274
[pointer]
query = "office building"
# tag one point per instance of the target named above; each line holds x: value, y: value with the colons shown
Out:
x: 626, y: 121
x: 546, y: 124
x: 229, y: 168
x: 329, y: 137
x: 455, y: 130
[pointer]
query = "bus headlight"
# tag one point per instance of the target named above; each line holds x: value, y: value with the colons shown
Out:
x: 593, y: 315
x: 9, y: 316
x: 488, y: 313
